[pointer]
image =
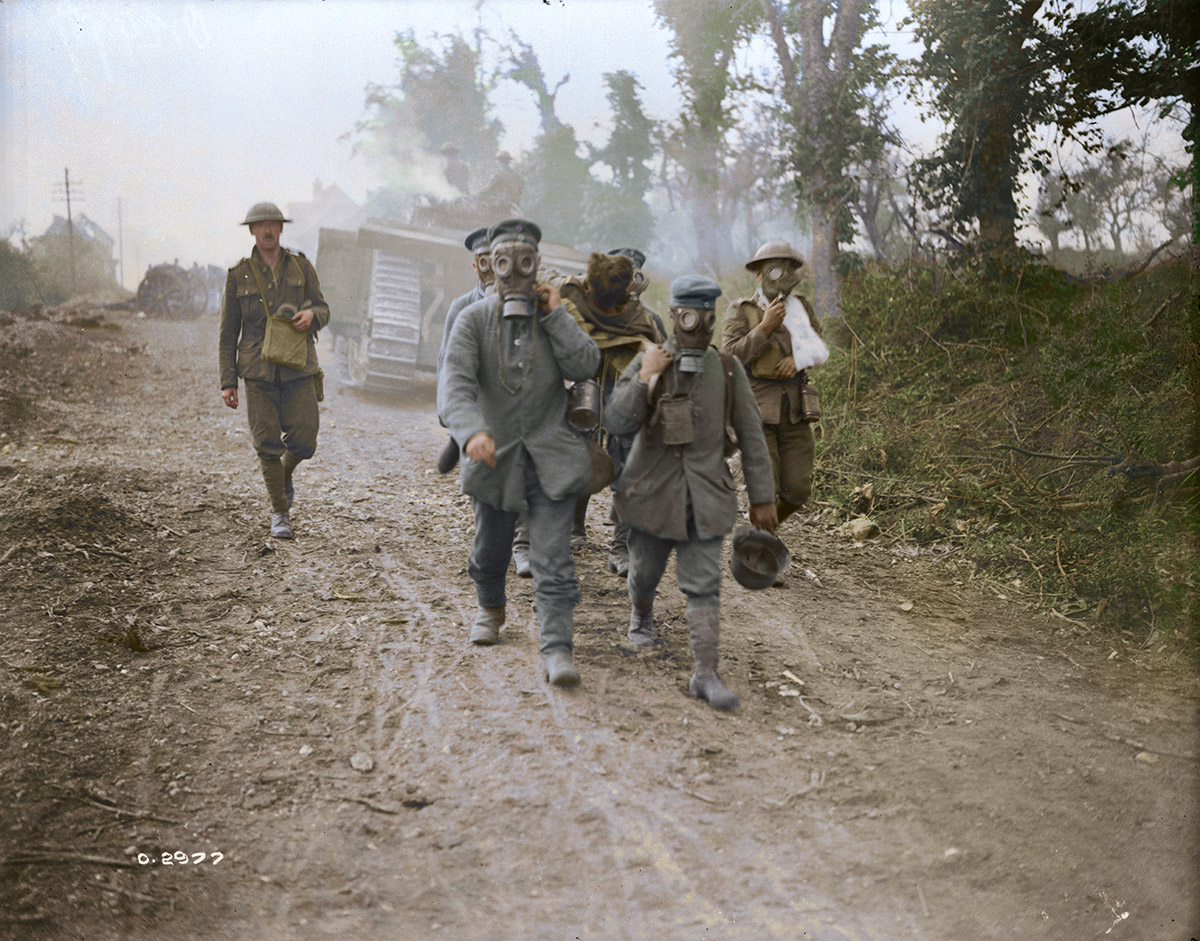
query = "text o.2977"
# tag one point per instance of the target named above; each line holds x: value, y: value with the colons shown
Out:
x: 179, y: 858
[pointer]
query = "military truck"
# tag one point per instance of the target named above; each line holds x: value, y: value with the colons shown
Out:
x: 389, y: 286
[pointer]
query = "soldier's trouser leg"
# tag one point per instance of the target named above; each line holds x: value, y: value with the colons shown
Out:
x: 272, y: 471
x: 698, y: 570
x: 283, y: 417
x: 579, y: 521
x: 699, y: 566
x: 648, y: 556
x: 555, y: 588
x: 490, y: 554
x: 791, y: 446
x: 647, y: 560
x: 521, y: 545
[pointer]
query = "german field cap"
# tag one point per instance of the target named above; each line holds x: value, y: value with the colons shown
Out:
x: 519, y: 230
x: 478, y: 241
x: 774, y: 251
x: 758, y: 559
x: 691, y: 290
x: 632, y: 254
x: 264, y: 212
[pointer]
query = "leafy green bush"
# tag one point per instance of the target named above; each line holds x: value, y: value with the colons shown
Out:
x: 1022, y: 418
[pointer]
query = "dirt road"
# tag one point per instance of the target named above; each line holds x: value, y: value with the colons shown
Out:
x: 915, y: 756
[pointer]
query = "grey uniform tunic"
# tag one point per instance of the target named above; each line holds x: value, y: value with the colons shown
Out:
x: 504, y: 376
x: 662, y: 484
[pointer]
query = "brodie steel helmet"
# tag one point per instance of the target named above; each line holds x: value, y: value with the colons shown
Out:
x: 264, y: 212
x: 774, y: 251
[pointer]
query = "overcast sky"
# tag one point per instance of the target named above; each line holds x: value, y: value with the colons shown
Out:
x: 189, y: 112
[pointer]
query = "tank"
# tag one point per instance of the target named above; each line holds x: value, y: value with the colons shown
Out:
x: 389, y: 286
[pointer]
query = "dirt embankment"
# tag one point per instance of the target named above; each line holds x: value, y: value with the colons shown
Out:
x: 205, y: 734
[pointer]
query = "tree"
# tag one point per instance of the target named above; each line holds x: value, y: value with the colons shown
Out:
x: 441, y: 96
x: 989, y: 64
x: 557, y: 177
x: 826, y: 93
x: 997, y: 70
x: 617, y: 211
x: 705, y: 36
x: 1123, y: 54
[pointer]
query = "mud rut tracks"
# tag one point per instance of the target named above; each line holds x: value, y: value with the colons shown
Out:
x: 913, y: 757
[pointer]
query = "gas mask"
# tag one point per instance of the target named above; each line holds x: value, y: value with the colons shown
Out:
x: 483, y: 268
x: 638, y: 284
x: 515, y: 264
x: 693, y: 334
x: 778, y: 278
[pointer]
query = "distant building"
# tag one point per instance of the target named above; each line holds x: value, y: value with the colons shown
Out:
x: 101, y: 243
x: 330, y: 208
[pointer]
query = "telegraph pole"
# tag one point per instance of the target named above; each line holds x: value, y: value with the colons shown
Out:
x: 70, y: 222
x: 70, y: 225
x: 120, y: 245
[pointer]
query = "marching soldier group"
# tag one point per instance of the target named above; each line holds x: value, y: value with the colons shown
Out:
x: 670, y: 411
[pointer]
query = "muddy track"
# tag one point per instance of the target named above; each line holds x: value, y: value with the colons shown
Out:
x: 916, y: 756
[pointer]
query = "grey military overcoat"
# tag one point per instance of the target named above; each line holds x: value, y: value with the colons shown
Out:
x: 504, y: 376
x: 659, y: 480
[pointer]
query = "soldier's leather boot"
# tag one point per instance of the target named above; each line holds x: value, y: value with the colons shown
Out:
x: 486, y: 629
x: 641, y: 622
x: 704, y: 625
x: 618, y: 554
x: 290, y: 464
x: 558, y: 667
x: 281, y: 526
x: 579, y: 524
x: 521, y: 561
x: 448, y: 459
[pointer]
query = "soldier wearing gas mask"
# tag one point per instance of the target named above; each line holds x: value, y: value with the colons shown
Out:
x: 676, y: 491
x: 480, y: 247
x: 607, y: 309
x: 504, y: 400
x: 774, y: 335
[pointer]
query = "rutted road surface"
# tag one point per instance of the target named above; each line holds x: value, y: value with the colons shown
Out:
x: 915, y: 756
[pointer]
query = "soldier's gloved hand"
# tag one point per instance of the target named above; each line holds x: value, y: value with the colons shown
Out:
x: 303, y: 319
x: 764, y: 516
x: 482, y: 448
x: 549, y: 297
x: 786, y: 368
x: 654, y: 360
x: 773, y: 318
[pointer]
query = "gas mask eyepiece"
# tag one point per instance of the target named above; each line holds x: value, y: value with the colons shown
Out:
x: 779, y: 279
x: 483, y: 268
x: 515, y: 265
x: 693, y: 333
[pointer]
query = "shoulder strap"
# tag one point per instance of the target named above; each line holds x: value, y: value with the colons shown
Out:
x: 730, y: 434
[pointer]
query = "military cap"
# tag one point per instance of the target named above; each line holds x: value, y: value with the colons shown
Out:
x: 477, y: 241
x: 758, y: 558
x: 695, y: 292
x: 638, y: 259
x: 520, y: 230
x: 772, y: 251
x: 264, y: 212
